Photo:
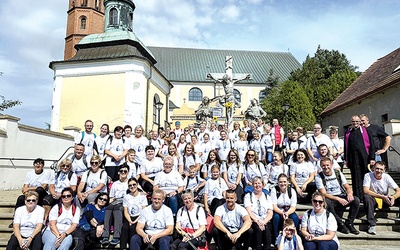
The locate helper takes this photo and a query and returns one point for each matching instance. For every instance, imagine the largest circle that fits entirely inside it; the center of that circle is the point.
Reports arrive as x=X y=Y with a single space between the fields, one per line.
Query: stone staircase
x=388 y=225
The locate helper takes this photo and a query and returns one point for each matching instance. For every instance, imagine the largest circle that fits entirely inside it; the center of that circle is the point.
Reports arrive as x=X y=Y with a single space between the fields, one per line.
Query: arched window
x=113 y=18
x=83 y=22
x=195 y=94
x=238 y=95
x=84 y=3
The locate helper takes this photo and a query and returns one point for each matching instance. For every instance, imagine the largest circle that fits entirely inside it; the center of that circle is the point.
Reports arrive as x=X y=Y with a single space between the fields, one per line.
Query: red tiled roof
x=379 y=76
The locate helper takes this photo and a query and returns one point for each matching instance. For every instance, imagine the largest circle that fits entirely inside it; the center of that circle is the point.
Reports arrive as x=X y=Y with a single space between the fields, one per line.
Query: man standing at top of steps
x=338 y=194
x=376 y=192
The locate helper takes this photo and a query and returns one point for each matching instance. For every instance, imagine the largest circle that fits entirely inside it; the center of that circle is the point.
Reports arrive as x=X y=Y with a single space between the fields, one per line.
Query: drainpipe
x=147 y=100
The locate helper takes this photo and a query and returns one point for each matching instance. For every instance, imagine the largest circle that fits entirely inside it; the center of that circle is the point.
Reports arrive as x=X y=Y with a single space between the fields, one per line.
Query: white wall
x=23 y=144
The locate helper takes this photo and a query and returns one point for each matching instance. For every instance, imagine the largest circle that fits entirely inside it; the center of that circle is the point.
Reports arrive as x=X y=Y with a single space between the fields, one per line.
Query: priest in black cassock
x=358 y=152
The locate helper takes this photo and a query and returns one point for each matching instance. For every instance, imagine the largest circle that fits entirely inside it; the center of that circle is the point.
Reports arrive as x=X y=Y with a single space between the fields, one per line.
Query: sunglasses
x=123 y=171
x=94 y=162
x=318 y=201
x=31 y=200
x=102 y=199
x=65 y=166
x=132 y=185
x=251 y=155
x=66 y=196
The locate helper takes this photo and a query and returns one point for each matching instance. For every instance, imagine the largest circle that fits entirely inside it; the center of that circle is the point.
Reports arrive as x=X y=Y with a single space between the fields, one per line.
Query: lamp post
x=285 y=108
x=159 y=106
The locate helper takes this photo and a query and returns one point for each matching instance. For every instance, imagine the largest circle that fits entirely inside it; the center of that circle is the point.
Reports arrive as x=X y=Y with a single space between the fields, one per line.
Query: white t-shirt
x=93 y=180
x=118 y=189
x=37 y=180
x=214 y=137
x=134 y=204
x=379 y=186
x=256 y=146
x=206 y=168
x=157 y=144
x=259 y=207
x=156 y=221
x=62 y=181
x=139 y=145
x=151 y=168
x=284 y=200
x=205 y=148
x=133 y=169
x=266 y=141
x=66 y=219
x=242 y=147
x=233 y=172
x=234 y=135
x=116 y=147
x=28 y=221
x=294 y=145
x=253 y=170
x=302 y=171
x=192 y=183
x=101 y=144
x=319 y=224
x=182 y=217
x=168 y=182
x=288 y=244
x=274 y=171
x=188 y=161
x=181 y=147
x=322 y=139
x=224 y=146
x=215 y=188
x=87 y=140
x=332 y=185
x=232 y=220
x=163 y=150
x=79 y=166
x=337 y=144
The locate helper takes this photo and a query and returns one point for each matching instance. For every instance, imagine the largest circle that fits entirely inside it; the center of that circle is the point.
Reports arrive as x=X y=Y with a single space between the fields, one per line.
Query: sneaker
x=114 y=242
x=11 y=225
x=372 y=230
x=104 y=242
x=343 y=229
x=351 y=228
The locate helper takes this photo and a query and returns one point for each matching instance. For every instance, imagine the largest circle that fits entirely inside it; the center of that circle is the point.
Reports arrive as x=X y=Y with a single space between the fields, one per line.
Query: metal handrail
x=11 y=159
x=391 y=148
x=55 y=163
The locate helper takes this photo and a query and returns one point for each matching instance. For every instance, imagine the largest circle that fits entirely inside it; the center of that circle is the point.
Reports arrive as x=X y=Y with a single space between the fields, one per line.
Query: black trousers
x=260 y=239
x=333 y=205
x=127 y=232
x=223 y=242
x=36 y=243
x=21 y=199
x=83 y=239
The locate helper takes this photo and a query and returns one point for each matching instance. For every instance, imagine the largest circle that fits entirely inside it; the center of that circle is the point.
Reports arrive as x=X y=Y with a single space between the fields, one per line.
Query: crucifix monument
x=228 y=80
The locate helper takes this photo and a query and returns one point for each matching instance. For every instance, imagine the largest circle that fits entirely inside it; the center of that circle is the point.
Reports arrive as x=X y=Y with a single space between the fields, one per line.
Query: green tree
x=323 y=77
x=271 y=82
x=291 y=93
x=6 y=104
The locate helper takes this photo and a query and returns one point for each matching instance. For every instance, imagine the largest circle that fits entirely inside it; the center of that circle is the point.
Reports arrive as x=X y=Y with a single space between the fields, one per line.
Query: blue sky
x=363 y=30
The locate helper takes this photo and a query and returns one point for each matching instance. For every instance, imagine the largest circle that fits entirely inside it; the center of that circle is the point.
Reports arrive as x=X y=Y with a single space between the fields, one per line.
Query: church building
x=110 y=76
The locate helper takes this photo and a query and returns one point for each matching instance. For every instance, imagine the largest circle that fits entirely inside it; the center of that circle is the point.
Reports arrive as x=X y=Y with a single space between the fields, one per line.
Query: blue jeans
x=277 y=221
x=320 y=245
x=49 y=239
x=269 y=157
x=172 y=202
x=161 y=243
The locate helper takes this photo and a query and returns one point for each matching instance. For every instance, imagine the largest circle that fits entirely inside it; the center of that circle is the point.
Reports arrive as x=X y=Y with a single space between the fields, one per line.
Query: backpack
x=197 y=211
x=184 y=159
x=69 y=175
x=83 y=159
x=278 y=192
x=110 y=138
x=60 y=209
x=83 y=136
x=101 y=174
x=188 y=179
x=338 y=178
x=251 y=196
x=309 y=214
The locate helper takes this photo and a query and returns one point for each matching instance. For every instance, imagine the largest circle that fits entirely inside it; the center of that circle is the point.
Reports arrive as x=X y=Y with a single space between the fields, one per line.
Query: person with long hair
x=100 y=141
x=302 y=174
x=214 y=191
x=275 y=168
x=212 y=159
x=242 y=146
x=64 y=218
x=190 y=158
x=284 y=201
x=253 y=168
x=173 y=152
x=318 y=226
x=116 y=149
x=91 y=224
x=259 y=207
x=133 y=204
x=234 y=174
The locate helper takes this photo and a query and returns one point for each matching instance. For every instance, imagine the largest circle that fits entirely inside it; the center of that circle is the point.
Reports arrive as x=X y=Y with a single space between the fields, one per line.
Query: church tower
x=85 y=17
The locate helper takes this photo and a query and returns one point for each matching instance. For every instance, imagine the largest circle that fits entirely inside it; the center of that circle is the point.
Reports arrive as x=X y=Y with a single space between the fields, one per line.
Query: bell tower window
x=113 y=19
x=83 y=23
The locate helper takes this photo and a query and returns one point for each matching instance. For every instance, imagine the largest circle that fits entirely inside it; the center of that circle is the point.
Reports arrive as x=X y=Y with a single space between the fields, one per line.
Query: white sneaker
x=372 y=230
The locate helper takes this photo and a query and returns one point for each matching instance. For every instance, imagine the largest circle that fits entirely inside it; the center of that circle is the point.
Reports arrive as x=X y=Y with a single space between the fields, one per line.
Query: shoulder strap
x=322 y=178
x=278 y=192
x=59 y=209
x=82 y=136
x=315 y=141
x=190 y=220
x=70 y=175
